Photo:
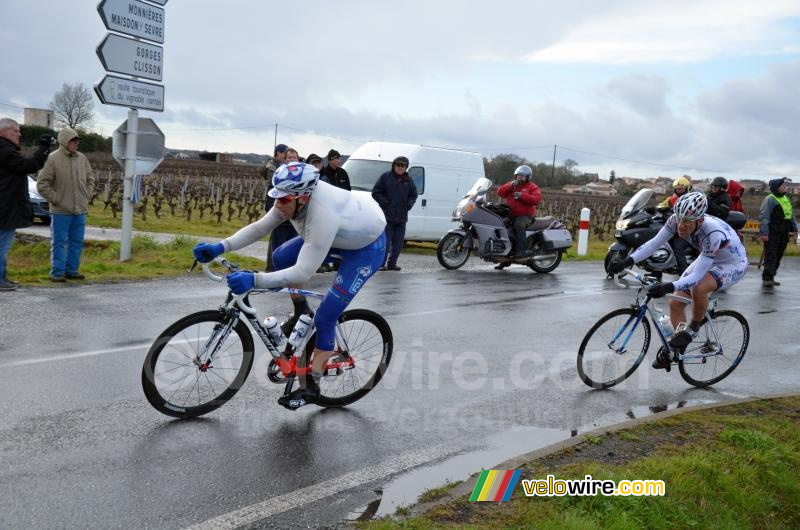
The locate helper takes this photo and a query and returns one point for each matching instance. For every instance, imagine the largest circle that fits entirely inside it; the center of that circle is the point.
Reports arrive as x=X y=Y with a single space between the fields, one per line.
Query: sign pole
x=127 y=184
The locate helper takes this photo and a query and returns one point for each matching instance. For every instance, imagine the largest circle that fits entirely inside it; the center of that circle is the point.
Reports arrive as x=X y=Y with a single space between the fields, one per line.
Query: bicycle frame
x=644 y=308
x=235 y=305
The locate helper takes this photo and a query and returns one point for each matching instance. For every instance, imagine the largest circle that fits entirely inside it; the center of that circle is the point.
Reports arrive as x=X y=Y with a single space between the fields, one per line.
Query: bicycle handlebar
x=239 y=298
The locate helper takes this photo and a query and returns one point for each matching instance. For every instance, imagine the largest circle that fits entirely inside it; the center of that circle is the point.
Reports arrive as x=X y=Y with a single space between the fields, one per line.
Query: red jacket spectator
x=529 y=197
x=735 y=190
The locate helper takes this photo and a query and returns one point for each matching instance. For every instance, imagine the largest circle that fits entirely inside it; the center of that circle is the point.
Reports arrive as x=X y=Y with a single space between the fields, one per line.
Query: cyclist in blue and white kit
x=722 y=263
x=333 y=225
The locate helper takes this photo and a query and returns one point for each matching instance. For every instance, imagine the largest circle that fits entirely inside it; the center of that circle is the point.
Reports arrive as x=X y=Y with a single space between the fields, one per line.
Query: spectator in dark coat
x=334 y=173
x=777 y=226
x=284 y=231
x=719 y=202
x=396 y=194
x=15 y=207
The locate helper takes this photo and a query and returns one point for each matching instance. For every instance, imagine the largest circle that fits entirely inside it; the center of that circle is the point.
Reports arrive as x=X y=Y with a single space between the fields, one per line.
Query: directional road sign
x=149 y=146
x=114 y=90
x=134 y=18
x=131 y=57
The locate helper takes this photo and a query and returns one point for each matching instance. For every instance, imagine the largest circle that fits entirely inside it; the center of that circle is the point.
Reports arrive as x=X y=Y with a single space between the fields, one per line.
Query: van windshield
x=364 y=173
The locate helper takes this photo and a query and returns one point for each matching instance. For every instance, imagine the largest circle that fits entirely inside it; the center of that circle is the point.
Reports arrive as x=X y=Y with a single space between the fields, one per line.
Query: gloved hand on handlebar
x=241 y=282
x=617 y=266
x=660 y=289
x=205 y=252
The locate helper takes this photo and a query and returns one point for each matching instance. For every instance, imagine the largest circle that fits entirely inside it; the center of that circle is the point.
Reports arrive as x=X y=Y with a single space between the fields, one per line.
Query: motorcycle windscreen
x=481 y=186
x=636 y=203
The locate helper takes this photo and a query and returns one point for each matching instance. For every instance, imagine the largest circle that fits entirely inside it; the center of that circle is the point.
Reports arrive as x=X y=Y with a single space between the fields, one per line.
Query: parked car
x=41 y=208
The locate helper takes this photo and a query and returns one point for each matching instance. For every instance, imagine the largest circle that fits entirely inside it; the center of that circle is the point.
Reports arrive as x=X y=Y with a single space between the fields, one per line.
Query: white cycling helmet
x=691 y=206
x=294 y=178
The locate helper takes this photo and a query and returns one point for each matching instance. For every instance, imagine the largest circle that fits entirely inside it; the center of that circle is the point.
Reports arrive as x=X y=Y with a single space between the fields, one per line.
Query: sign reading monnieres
x=133 y=18
x=114 y=90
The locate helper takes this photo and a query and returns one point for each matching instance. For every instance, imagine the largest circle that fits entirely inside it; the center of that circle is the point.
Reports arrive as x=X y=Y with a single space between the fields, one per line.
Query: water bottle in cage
x=300 y=330
x=665 y=324
x=274 y=330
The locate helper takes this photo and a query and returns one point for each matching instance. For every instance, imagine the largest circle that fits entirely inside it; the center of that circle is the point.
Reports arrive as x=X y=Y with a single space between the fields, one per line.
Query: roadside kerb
x=465 y=488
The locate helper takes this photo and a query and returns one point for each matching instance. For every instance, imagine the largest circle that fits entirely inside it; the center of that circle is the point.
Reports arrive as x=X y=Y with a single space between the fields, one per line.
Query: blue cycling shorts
x=355 y=268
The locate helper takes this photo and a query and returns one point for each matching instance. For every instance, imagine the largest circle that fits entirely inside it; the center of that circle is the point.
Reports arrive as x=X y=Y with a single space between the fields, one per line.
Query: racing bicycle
x=616 y=345
x=198 y=363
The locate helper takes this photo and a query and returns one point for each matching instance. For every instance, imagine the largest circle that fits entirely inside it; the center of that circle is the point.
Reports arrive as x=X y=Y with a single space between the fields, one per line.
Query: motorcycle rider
x=680 y=186
x=719 y=202
x=722 y=262
x=333 y=225
x=522 y=196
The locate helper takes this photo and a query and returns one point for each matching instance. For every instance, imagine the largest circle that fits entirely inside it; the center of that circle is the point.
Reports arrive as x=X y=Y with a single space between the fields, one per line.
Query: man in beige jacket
x=67 y=182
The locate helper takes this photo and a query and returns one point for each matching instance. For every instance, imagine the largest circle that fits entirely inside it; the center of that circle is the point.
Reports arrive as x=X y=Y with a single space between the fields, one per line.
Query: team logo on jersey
x=339 y=279
x=365 y=271
x=356 y=285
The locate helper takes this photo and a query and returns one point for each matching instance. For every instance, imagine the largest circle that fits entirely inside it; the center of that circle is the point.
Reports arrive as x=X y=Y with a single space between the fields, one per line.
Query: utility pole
x=275 y=141
x=553 y=170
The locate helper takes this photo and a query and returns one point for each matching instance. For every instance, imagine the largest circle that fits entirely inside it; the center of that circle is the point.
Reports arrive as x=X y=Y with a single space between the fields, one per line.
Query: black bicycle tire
x=388 y=344
x=630 y=311
x=151 y=392
x=745 y=343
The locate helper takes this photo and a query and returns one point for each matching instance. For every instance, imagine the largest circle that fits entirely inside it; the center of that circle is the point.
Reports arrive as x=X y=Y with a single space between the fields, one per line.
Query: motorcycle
x=486 y=230
x=637 y=224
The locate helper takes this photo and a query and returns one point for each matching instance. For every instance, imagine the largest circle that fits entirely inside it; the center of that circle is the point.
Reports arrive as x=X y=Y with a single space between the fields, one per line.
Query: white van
x=442 y=177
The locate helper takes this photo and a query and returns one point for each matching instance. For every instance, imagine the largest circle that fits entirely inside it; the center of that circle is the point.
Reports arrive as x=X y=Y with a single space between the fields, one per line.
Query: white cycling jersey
x=333 y=218
x=721 y=252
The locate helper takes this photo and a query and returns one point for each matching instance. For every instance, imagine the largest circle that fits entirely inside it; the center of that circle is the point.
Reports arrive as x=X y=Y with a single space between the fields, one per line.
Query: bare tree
x=73 y=106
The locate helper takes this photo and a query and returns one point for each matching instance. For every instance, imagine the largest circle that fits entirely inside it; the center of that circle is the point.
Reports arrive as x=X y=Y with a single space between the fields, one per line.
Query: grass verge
x=29 y=259
x=728 y=467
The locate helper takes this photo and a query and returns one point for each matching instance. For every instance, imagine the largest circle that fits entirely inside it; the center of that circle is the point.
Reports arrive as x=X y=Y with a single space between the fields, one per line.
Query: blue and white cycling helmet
x=691 y=206
x=294 y=178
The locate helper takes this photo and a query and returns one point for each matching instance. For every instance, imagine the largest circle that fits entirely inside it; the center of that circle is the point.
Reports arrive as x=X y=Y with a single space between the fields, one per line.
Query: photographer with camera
x=522 y=196
x=15 y=207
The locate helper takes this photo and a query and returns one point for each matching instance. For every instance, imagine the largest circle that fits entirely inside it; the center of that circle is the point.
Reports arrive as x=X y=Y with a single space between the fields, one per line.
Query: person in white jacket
x=333 y=225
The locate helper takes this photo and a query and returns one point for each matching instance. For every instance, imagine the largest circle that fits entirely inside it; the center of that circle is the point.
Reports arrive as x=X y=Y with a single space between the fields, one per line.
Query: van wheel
x=452 y=251
x=545 y=261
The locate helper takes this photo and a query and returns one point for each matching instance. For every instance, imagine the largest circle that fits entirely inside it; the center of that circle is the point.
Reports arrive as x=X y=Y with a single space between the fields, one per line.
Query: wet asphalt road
x=483 y=369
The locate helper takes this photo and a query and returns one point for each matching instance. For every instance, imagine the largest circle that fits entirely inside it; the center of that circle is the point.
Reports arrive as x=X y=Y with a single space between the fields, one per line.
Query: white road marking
x=68 y=356
x=305 y=496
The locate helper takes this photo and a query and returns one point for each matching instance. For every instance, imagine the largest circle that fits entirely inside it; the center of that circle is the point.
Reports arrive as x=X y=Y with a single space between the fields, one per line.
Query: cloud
x=677 y=31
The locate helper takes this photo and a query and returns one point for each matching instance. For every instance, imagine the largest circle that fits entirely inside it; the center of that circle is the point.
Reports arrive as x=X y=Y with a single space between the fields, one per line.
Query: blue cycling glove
x=205 y=252
x=241 y=282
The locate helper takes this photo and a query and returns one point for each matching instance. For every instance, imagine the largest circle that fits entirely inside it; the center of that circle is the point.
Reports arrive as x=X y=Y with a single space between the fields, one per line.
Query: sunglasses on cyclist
x=286 y=199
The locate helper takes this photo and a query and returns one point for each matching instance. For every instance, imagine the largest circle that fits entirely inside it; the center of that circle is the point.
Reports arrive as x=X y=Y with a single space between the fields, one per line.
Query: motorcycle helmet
x=525 y=171
x=720 y=182
x=682 y=182
x=294 y=178
x=691 y=206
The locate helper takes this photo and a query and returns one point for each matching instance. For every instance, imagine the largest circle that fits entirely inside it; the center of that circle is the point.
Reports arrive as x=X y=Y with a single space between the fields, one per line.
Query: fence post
x=583 y=233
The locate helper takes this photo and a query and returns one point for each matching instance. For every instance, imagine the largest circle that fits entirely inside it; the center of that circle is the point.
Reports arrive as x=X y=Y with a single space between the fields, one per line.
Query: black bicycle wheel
x=717 y=350
x=366 y=337
x=613 y=348
x=178 y=383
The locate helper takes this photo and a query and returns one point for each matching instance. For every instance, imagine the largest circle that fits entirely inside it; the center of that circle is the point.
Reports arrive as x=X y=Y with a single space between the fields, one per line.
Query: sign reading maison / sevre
x=134 y=18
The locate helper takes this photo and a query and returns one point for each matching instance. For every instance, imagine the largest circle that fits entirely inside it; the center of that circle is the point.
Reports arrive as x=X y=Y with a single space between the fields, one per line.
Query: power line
x=11 y=105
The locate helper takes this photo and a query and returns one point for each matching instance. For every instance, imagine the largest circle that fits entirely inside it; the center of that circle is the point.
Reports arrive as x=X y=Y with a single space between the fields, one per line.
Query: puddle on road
x=406 y=489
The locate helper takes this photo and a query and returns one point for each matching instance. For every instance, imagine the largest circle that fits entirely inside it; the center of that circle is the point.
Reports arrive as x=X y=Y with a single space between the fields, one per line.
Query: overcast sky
x=656 y=88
